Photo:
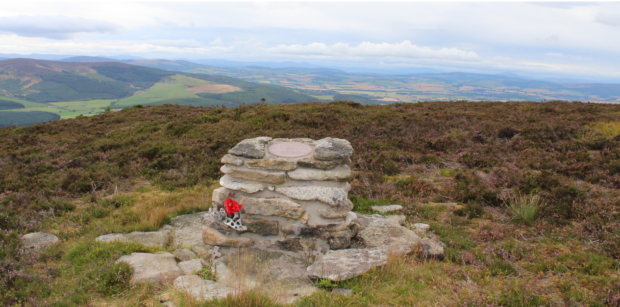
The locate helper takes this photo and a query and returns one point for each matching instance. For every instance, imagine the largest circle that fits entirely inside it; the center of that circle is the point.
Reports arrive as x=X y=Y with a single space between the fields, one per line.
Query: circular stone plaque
x=290 y=149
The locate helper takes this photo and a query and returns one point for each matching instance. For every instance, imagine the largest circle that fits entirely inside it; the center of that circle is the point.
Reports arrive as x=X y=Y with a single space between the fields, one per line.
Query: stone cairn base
x=292 y=191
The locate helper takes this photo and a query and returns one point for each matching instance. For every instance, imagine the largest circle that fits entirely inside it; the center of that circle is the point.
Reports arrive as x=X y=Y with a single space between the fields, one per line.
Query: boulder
x=421 y=229
x=155 y=268
x=332 y=149
x=401 y=219
x=431 y=248
x=39 y=240
x=240 y=185
x=381 y=232
x=330 y=195
x=184 y=254
x=387 y=208
x=275 y=177
x=336 y=174
x=272 y=164
x=190 y=267
x=251 y=148
x=345 y=264
x=233 y=160
x=202 y=289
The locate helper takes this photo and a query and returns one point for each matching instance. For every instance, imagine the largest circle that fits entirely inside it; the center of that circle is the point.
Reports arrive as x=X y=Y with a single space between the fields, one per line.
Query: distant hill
x=87 y=59
x=87 y=86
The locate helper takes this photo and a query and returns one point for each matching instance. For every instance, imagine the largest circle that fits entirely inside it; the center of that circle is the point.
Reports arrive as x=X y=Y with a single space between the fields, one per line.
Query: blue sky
x=561 y=39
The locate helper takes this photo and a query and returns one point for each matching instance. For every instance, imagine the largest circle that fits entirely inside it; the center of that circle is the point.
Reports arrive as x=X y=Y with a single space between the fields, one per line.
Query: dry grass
x=213 y=89
x=606 y=129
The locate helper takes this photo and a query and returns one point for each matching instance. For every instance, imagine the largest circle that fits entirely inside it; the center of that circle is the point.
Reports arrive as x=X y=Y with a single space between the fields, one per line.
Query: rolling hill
x=88 y=86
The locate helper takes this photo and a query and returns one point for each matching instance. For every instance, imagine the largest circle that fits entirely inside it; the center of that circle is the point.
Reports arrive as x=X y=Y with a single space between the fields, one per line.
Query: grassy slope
x=170 y=88
x=425 y=156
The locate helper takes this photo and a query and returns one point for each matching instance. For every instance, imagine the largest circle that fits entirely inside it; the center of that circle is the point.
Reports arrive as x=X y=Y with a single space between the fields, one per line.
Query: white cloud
x=554 y=54
x=54 y=26
x=612 y=20
x=187 y=43
x=554 y=38
x=404 y=49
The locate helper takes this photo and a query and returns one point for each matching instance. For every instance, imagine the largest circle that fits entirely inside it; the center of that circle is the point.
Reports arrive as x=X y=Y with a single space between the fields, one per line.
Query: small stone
x=184 y=254
x=190 y=267
x=262 y=227
x=329 y=195
x=157 y=268
x=275 y=177
x=234 y=160
x=401 y=219
x=270 y=206
x=272 y=164
x=304 y=219
x=336 y=174
x=342 y=291
x=39 y=240
x=387 y=208
x=381 y=232
x=240 y=185
x=421 y=229
x=432 y=249
x=251 y=148
x=202 y=289
x=332 y=149
x=339 y=242
x=345 y=264
x=213 y=237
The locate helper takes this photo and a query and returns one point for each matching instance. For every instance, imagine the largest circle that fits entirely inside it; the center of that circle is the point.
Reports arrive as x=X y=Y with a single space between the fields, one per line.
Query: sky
x=558 y=39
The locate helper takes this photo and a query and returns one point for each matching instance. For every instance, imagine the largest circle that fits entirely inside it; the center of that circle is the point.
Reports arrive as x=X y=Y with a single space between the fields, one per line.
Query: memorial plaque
x=290 y=149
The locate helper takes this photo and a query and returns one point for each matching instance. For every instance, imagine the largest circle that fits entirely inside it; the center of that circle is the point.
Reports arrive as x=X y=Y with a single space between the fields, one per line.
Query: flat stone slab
x=190 y=267
x=39 y=240
x=187 y=230
x=240 y=185
x=330 y=195
x=184 y=254
x=377 y=231
x=156 y=268
x=202 y=289
x=387 y=208
x=271 y=206
x=272 y=164
x=345 y=264
x=275 y=177
x=151 y=238
x=332 y=149
x=336 y=174
x=290 y=149
x=251 y=148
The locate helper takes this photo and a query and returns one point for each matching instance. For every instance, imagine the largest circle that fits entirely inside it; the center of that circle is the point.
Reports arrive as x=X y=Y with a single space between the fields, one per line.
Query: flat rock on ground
x=187 y=230
x=344 y=264
x=279 y=276
x=155 y=268
x=151 y=238
x=387 y=208
x=39 y=240
x=191 y=267
x=381 y=232
x=202 y=289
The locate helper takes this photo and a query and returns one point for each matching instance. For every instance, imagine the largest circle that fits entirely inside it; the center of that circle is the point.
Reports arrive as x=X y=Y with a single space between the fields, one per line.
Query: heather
x=525 y=195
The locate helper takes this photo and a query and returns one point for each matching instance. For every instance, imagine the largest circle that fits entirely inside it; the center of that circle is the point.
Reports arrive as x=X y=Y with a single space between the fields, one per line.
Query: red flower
x=232 y=206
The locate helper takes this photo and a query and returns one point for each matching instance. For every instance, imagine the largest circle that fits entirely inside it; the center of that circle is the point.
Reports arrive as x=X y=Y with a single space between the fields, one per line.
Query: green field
x=170 y=88
x=67 y=109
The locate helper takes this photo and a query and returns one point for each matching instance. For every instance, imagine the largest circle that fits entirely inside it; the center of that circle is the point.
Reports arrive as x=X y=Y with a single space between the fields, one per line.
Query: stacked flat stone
x=289 y=189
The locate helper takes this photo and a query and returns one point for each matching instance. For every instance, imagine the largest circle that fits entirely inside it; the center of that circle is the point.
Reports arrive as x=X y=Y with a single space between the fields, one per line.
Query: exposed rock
x=340 y=242
x=234 y=160
x=40 y=240
x=325 y=165
x=332 y=149
x=275 y=177
x=202 y=289
x=214 y=237
x=432 y=249
x=271 y=206
x=304 y=219
x=387 y=208
x=346 y=263
x=329 y=195
x=201 y=249
x=156 y=268
x=151 y=238
x=272 y=164
x=187 y=230
x=336 y=174
x=381 y=232
x=280 y=277
x=262 y=227
x=190 y=267
x=342 y=291
x=251 y=148
x=336 y=213
x=323 y=231
x=290 y=244
x=401 y=219
x=184 y=254
x=421 y=229
x=240 y=185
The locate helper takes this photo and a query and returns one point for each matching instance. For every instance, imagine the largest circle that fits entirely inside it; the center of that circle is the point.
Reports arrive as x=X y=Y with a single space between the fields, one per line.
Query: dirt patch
x=213 y=89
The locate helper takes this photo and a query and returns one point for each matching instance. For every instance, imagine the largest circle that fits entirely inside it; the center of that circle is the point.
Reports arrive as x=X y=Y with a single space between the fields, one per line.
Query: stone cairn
x=293 y=193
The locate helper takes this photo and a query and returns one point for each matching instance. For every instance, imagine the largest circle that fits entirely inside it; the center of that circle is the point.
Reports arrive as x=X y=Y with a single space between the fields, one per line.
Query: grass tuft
x=523 y=208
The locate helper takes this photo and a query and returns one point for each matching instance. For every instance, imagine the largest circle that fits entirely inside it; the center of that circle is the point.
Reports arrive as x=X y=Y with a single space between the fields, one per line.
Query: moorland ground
x=525 y=196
